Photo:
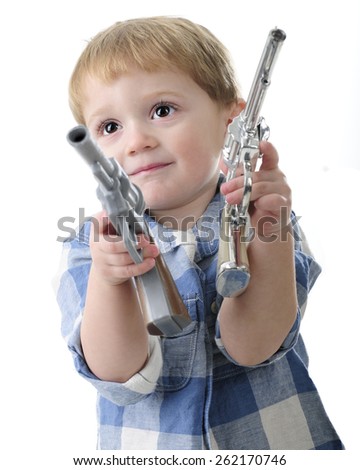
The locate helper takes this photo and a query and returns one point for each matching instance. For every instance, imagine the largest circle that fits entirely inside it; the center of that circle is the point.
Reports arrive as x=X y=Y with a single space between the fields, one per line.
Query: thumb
x=101 y=224
x=270 y=157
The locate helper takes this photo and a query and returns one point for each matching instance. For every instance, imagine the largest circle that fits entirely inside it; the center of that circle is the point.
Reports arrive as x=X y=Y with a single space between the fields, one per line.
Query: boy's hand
x=111 y=260
x=271 y=195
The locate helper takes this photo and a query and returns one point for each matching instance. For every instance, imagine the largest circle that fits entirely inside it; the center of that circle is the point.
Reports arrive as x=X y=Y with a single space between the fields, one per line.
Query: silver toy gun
x=164 y=311
x=241 y=147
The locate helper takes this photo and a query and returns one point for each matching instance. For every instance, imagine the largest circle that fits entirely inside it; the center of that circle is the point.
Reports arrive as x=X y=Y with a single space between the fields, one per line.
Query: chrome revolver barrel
x=240 y=152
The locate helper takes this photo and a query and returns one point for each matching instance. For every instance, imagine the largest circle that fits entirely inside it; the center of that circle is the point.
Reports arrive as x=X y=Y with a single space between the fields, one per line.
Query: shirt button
x=214 y=308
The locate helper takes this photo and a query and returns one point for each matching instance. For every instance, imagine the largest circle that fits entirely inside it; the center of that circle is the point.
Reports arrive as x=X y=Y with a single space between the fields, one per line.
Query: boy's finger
x=232 y=185
x=270 y=157
x=101 y=224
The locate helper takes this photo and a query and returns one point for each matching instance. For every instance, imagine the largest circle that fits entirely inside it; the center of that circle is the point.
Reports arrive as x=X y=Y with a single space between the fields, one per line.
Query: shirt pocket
x=179 y=352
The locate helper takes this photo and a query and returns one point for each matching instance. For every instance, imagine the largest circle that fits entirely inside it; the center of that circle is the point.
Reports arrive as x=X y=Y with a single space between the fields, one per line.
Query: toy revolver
x=164 y=311
x=242 y=148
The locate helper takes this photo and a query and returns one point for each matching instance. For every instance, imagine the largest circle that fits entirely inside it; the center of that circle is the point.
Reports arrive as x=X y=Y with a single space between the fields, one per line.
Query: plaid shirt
x=191 y=394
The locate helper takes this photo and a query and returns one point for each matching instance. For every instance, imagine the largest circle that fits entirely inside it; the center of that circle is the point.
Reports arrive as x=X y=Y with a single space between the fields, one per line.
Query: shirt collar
x=205 y=233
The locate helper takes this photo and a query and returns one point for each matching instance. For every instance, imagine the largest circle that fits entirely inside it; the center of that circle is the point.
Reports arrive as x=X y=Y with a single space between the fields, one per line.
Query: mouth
x=152 y=168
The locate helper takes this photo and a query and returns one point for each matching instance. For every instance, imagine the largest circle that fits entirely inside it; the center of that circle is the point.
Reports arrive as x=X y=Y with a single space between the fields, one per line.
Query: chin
x=156 y=198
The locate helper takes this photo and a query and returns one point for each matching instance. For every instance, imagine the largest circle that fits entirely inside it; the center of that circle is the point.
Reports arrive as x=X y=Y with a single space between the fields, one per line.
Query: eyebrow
x=97 y=114
x=160 y=92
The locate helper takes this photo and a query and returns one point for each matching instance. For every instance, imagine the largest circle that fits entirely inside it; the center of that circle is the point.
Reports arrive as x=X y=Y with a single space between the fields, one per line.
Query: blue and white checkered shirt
x=191 y=394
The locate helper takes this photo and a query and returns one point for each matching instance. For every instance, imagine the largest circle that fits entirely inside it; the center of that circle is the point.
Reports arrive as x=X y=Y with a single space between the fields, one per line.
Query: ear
x=235 y=109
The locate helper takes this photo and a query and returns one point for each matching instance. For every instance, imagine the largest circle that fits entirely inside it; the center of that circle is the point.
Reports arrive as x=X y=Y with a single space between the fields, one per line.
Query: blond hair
x=151 y=44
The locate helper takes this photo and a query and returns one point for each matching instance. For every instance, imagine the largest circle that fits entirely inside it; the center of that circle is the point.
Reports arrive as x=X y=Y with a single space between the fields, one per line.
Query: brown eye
x=163 y=110
x=110 y=127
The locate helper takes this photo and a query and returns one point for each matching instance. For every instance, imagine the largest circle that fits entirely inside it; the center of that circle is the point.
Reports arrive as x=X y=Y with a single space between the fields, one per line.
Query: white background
x=312 y=108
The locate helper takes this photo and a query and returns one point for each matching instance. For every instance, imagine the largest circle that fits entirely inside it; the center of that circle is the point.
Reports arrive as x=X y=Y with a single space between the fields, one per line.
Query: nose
x=139 y=138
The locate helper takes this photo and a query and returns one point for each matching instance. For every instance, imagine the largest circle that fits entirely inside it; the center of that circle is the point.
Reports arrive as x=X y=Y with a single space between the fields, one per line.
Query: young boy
x=158 y=95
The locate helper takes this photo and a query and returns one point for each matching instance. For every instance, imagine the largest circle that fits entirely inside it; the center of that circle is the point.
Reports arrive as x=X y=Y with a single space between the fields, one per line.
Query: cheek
x=197 y=145
x=212 y=136
x=205 y=144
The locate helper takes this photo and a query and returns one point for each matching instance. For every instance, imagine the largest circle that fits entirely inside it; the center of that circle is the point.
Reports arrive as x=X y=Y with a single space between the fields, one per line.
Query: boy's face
x=165 y=132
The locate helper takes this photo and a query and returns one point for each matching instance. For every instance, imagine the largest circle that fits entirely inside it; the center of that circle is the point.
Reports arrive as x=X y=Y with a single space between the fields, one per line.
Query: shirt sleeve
x=70 y=286
x=307 y=271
